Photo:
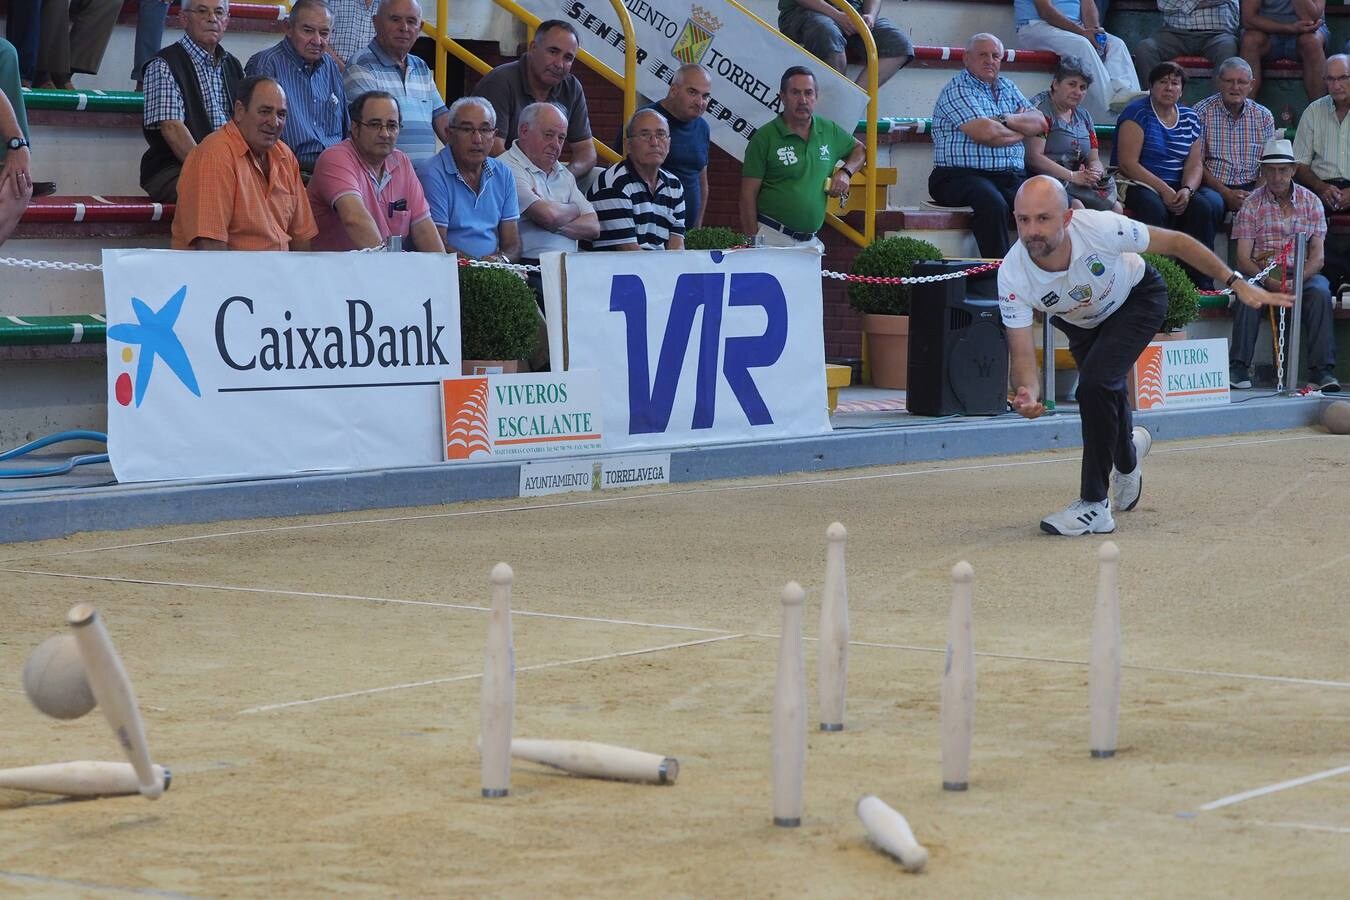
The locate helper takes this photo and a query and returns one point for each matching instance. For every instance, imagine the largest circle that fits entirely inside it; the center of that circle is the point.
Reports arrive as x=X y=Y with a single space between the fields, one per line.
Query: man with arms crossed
x=1083 y=267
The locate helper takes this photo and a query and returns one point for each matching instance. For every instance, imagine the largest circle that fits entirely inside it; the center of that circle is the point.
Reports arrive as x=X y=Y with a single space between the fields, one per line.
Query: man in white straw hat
x=1270 y=217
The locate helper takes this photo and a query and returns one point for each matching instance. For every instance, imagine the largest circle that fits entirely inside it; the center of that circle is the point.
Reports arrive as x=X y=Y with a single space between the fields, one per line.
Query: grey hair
x=530 y=114
x=1072 y=67
x=687 y=69
x=1233 y=62
x=632 y=120
x=302 y=5
x=379 y=10
x=984 y=36
x=1343 y=58
x=480 y=102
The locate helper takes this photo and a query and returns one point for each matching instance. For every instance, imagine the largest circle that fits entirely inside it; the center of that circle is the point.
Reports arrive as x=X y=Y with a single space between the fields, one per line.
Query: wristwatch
x=1002 y=119
x=15 y=143
x=1232 y=278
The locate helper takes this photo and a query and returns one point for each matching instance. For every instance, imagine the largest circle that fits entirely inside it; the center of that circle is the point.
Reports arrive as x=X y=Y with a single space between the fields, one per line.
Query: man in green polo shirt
x=788 y=164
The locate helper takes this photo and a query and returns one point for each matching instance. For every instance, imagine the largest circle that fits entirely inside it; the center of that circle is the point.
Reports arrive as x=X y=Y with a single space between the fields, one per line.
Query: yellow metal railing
x=869 y=231
x=627 y=82
x=872 y=183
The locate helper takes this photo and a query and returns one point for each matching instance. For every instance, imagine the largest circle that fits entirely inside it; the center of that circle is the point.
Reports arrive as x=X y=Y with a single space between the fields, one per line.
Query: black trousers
x=1104 y=356
x=990 y=194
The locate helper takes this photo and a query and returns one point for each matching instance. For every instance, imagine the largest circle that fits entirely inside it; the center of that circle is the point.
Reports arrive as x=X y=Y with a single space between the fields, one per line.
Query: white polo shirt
x=1105 y=266
x=534 y=184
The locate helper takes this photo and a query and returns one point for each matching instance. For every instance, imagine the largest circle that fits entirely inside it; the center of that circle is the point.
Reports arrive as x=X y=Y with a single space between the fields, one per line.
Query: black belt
x=779 y=226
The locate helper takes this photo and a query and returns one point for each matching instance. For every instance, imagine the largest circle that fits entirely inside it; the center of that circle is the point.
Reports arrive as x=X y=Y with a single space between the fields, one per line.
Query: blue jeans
x=24 y=30
x=149 y=33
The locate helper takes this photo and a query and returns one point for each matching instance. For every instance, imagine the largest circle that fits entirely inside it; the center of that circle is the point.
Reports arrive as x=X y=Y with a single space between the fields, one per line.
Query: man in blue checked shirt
x=308 y=74
x=979 y=122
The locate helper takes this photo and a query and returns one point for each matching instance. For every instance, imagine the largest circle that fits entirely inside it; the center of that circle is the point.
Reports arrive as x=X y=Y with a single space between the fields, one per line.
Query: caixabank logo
x=151 y=337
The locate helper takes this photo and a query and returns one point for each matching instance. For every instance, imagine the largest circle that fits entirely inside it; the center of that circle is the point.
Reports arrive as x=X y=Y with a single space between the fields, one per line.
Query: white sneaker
x=1127 y=486
x=1081 y=517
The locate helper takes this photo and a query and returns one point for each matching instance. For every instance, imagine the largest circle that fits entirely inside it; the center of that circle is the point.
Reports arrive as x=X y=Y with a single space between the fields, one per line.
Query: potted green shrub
x=1183 y=297
x=498 y=319
x=713 y=237
x=885 y=307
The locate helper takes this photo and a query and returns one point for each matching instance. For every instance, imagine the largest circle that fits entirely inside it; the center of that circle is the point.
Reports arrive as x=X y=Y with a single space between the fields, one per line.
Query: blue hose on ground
x=60 y=468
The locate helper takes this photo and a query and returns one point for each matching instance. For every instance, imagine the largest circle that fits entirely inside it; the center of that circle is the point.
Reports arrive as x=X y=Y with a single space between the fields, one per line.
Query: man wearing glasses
x=640 y=205
x=387 y=64
x=365 y=190
x=473 y=196
x=189 y=93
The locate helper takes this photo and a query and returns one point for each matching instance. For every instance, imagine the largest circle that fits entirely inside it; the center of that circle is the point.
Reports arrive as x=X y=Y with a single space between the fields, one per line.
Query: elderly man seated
x=1190 y=27
x=979 y=122
x=554 y=212
x=640 y=205
x=472 y=196
x=365 y=190
x=240 y=188
x=300 y=62
x=388 y=64
x=1234 y=129
x=1268 y=220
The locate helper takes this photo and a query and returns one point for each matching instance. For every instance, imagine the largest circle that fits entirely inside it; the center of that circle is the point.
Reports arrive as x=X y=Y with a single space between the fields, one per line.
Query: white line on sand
x=88 y=885
x=1303 y=826
x=551 y=665
x=655 y=495
x=357 y=597
x=1273 y=788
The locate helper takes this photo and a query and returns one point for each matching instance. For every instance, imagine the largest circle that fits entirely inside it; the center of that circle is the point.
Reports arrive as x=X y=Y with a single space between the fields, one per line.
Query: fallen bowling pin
x=595 y=760
x=891 y=832
x=83 y=778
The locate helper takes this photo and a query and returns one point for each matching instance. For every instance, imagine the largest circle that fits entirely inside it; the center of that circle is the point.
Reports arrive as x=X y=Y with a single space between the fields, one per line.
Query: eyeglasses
x=203 y=12
x=1336 y=79
x=486 y=131
x=377 y=125
x=651 y=135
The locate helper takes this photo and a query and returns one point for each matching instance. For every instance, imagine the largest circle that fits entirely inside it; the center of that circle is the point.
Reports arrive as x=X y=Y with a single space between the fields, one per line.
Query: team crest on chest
x=787 y=156
x=1095 y=265
x=1081 y=293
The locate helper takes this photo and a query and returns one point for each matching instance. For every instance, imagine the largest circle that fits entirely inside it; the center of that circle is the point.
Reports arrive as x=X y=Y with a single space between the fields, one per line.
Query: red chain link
x=882 y=279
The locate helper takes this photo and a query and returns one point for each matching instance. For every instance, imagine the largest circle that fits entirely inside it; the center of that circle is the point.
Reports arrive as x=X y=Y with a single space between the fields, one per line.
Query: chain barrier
x=825 y=273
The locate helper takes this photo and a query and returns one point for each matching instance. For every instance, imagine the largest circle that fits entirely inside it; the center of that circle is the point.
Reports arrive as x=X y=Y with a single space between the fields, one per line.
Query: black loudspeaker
x=958 y=353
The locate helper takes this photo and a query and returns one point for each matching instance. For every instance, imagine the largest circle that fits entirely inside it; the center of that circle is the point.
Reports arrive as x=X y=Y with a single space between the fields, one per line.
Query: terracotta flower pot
x=888 y=350
x=491 y=366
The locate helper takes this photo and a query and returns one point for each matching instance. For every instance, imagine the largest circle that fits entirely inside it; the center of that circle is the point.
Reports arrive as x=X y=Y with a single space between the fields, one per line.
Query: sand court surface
x=314 y=683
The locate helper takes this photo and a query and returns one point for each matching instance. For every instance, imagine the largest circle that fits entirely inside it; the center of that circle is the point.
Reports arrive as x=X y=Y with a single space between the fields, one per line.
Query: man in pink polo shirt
x=365 y=191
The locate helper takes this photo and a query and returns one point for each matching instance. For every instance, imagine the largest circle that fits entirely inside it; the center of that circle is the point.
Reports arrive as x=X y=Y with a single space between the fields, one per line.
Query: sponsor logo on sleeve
x=1095 y=265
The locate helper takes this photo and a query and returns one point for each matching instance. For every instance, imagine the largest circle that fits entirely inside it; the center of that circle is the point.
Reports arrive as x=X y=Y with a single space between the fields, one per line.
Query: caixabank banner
x=245 y=364
x=696 y=347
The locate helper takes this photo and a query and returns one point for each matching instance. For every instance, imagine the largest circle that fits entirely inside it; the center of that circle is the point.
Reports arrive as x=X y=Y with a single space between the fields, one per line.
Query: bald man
x=1083 y=268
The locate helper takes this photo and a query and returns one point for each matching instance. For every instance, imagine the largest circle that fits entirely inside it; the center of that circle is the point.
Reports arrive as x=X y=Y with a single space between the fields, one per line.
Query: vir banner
x=745 y=56
x=246 y=364
x=696 y=347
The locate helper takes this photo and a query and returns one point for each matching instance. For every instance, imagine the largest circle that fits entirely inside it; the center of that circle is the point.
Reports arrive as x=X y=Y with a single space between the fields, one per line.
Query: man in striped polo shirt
x=308 y=74
x=639 y=204
x=389 y=65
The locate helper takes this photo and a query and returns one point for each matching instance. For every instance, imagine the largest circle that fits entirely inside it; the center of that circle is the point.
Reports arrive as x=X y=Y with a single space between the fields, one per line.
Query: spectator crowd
x=329 y=139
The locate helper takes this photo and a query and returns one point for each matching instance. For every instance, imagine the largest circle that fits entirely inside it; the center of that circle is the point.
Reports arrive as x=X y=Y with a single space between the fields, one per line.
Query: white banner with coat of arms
x=745 y=58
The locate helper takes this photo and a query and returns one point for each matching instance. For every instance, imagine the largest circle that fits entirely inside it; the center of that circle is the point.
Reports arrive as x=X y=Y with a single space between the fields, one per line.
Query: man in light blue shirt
x=473 y=196
x=300 y=63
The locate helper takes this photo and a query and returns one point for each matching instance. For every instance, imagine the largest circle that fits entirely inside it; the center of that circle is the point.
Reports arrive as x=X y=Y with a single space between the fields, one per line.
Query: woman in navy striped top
x=1158 y=148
